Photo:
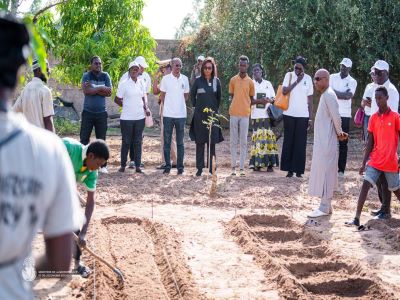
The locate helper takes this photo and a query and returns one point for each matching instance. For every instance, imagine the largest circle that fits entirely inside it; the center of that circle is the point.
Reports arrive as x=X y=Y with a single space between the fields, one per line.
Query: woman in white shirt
x=131 y=97
x=297 y=118
x=264 y=150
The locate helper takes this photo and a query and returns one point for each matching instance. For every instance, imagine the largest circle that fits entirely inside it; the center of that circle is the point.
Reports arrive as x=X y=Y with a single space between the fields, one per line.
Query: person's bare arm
x=162 y=96
x=344 y=95
x=48 y=123
x=368 y=149
x=118 y=101
x=186 y=95
x=98 y=90
x=287 y=89
x=310 y=105
x=58 y=254
x=88 y=214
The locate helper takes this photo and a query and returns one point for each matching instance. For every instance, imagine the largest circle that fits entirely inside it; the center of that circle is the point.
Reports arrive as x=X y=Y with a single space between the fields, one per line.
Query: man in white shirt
x=37 y=184
x=344 y=87
x=36 y=101
x=174 y=94
x=145 y=77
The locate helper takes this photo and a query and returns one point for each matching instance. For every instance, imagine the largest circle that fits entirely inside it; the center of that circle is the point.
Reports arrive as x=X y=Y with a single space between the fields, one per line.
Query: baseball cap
x=346 y=62
x=133 y=64
x=381 y=65
x=201 y=57
x=141 y=61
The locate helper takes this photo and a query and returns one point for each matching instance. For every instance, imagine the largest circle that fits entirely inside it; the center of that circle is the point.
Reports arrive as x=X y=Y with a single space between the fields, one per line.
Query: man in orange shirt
x=381 y=153
x=241 y=92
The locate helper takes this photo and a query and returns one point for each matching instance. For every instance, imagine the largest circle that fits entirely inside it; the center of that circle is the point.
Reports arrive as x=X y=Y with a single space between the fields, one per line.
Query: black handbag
x=275 y=115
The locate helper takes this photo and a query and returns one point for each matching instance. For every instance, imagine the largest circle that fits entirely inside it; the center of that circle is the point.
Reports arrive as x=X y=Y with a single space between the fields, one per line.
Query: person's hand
x=362 y=170
x=82 y=240
x=300 y=77
x=86 y=83
x=363 y=103
x=368 y=102
x=343 y=136
x=148 y=113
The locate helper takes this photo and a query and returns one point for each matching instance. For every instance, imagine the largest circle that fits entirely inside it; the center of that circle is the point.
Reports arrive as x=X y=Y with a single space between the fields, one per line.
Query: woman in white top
x=297 y=118
x=131 y=97
x=264 y=150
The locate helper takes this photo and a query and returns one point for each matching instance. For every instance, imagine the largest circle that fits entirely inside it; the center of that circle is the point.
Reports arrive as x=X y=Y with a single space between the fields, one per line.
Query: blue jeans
x=169 y=124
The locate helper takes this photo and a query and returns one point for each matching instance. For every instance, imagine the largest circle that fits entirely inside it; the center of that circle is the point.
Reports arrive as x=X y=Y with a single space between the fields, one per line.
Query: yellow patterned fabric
x=264 y=149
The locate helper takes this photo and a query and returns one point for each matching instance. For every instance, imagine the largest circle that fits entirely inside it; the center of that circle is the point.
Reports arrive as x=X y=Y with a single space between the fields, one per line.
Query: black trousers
x=132 y=132
x=293 y=158
x=96 y=120
x=90 y=120
x=200 y=155
x=385 y=196
x=343 y=146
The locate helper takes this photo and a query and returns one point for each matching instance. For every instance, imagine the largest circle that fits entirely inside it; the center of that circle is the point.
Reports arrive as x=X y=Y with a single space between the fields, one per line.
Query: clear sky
x=163 y=17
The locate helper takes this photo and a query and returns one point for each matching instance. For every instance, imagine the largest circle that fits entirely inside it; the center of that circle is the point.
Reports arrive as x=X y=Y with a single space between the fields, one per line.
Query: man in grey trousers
x=241 y=91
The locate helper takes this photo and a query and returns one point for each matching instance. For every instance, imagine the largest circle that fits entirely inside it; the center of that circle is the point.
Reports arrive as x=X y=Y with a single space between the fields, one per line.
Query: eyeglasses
x=208 y=68
x=318 y=78
x=178 y=66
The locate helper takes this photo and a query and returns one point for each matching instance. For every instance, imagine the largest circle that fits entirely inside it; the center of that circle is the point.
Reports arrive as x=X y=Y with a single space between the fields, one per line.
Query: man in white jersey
x=37 y=185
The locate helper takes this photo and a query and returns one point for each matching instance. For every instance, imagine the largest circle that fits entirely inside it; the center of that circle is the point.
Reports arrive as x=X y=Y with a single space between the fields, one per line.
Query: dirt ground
x=171 y=240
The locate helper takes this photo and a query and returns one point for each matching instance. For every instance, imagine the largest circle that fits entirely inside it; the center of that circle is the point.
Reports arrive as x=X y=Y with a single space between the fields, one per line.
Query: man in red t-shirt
x=381 y=152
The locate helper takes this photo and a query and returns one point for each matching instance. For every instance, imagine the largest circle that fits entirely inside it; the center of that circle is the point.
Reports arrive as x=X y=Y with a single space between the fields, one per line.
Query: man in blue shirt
x=96 y=86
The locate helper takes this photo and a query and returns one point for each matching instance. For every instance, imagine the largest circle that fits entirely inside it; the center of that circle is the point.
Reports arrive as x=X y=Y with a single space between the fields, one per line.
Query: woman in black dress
x=205 y=93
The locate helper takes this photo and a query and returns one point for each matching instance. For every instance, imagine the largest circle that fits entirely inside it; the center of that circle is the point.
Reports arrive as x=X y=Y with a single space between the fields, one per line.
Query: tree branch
x=39 y=12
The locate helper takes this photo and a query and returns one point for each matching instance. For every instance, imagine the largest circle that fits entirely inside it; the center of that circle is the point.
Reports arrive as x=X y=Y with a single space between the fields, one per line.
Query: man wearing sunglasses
x=344 y=87
x=327 y=131
x=174 y=89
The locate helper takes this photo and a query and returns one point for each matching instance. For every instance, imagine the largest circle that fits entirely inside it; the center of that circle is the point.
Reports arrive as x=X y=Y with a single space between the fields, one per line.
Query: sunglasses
x=208 y=68
x=178 y=66
x=318 y=78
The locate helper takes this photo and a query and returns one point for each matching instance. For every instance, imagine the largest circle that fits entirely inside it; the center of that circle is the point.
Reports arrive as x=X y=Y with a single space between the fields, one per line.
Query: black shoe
x=289 y=174
x=166 y=171
x=198 y=173
x=298 y=175
x=139 y=170
x=270 y=169
x=382 y=216
x=180 y=172
x=354 y=222
x=161 y=167
x=121 y=169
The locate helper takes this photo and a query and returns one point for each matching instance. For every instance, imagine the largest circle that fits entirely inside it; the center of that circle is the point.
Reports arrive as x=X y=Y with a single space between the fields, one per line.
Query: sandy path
x=219 y=267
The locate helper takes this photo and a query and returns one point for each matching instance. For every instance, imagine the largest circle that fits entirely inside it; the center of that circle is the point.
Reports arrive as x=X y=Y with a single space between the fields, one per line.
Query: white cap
x=133 y=64
x=346 y=62
x=201 y=57
x=372 y=70
x=141 y=61
x=381 y=65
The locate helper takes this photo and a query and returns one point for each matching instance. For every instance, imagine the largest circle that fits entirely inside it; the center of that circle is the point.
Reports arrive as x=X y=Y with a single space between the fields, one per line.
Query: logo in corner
x=29 y=271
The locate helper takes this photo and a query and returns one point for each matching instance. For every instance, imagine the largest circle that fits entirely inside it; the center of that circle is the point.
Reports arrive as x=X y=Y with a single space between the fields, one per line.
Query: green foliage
x=110 y=29
x=273 y=32
x=66 y=127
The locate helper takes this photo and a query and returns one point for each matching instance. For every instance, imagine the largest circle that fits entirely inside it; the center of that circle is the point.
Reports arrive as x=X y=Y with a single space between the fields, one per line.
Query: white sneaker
x=103 y=170
x=316 y=213
x=341 y=175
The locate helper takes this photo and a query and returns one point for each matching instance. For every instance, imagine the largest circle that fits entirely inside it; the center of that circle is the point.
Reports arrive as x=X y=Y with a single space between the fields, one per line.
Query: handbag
x=359 y=118
x=281 y=100
x=275 y=115
x=148 y=121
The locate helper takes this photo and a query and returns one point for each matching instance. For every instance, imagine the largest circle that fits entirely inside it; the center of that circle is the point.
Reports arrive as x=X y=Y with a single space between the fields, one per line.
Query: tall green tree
x=110 y=29
x=273 y=32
